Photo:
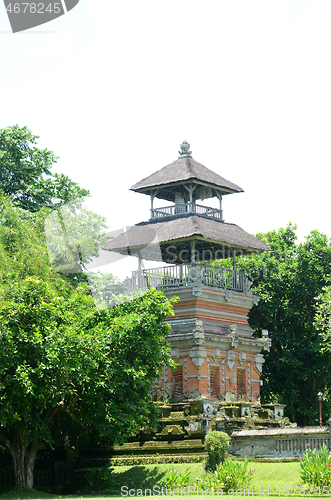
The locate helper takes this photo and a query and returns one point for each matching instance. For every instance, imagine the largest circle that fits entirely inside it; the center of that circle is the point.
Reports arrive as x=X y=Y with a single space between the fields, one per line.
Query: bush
x=228 y=475
x=233 y=475
x=216 y=445
x=174 y=478
x=316 y=467
x=100 y=479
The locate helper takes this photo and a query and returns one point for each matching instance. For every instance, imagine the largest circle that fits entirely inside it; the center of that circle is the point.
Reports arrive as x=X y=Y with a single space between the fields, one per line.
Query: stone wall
x=278 y=442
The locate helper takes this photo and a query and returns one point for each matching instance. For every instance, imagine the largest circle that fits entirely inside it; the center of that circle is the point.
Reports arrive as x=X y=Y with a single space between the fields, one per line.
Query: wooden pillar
x=152 y=199
x=140 y=266
x=181 y=273
x=193 y=252
x=234 y=274
x=190 y=190
x=219 y=196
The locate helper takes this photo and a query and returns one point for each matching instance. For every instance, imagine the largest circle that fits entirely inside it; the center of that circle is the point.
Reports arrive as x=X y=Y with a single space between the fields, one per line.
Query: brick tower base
x=213 y=345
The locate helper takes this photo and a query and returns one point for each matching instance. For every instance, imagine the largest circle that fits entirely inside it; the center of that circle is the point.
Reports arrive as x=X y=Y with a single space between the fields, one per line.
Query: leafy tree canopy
x=62 y=362
x=51 y=244
x=25 y=172
x=60 y=356
x=323 y=317
x=23 y=251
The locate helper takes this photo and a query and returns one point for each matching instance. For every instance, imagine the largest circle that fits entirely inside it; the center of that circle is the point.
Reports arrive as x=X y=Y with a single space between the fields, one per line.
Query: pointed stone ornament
x=185 y=149
x=198 y=355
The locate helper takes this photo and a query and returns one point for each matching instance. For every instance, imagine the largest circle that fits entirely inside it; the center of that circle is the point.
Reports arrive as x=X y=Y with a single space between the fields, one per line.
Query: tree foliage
x=287 y=280
x=23 y=251
x=60 y=355
x=25 y=172
x=63 y=364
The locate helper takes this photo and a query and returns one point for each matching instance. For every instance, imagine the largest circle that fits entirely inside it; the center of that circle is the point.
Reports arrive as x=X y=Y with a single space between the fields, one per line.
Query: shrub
x=216 y=445
x=99 y=479
x=208 y=481
x=233 y=475
x=174 y=478
x=315 y=467
x=228 y=475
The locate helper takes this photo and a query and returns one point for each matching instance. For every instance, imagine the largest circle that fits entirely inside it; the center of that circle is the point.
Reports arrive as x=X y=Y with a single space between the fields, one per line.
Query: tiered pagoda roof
x=182 y=171
x=155 y=239
x=185 y=225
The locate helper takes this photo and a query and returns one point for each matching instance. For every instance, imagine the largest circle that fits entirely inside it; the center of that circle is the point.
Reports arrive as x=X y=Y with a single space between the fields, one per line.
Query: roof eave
x=147 y=189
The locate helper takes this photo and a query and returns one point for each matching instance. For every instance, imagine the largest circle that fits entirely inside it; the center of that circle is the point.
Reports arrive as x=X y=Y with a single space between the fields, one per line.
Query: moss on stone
x=196 y=407
x=172 y=429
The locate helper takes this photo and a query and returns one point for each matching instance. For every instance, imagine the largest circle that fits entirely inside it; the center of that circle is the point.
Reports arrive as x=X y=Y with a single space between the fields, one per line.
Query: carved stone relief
x=230 y=359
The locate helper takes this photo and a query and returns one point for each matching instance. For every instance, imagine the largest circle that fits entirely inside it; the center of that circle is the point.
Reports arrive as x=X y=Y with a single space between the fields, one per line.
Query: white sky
x=114 y=86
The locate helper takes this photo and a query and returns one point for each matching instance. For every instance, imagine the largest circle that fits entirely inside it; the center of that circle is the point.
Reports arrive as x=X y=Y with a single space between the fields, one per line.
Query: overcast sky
x=114 y=86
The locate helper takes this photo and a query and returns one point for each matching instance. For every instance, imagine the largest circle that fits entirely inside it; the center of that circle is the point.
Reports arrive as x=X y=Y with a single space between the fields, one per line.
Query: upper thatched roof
x=161 y=241
x=184 y=170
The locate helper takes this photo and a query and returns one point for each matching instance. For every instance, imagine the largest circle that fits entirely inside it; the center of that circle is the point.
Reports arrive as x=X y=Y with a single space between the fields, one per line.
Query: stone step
x=191 y=445
x=158 y=459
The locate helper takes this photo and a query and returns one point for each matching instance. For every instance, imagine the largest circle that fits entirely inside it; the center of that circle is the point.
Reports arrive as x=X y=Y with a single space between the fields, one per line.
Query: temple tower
x=211 y=341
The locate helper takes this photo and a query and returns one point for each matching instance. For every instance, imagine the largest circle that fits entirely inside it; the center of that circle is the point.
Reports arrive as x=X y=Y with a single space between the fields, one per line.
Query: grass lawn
x=280 y=478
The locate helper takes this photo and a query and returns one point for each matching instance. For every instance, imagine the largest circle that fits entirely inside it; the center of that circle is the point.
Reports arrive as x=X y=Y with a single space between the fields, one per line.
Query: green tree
x=323 y=317
x=58 y=355
x=36 y=244
x=323 y=326
x=25 y=172
x=23 y=251
x=287 y=280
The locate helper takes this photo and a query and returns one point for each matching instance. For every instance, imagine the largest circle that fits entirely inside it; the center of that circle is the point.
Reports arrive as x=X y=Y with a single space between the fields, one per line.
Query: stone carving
x=234 y=336
x=228 y=295
x=197 y=289
x=245 y=411
x=279 y=412
x=267 y=340
x=195 y=276
x=185 y=149
x=247 y=286
x=185 y=376
x=231 y=359
x=174 y=353
x=193 y=427
x=255 y=300
x=198 y=355
x=216 y=354
x=198 y=333
x=208 y=408
x=259 y=360
x=229 y=396
x=242 y=357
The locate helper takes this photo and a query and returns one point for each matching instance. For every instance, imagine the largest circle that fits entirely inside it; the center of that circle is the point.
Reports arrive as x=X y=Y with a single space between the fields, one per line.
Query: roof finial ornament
x=185 y=150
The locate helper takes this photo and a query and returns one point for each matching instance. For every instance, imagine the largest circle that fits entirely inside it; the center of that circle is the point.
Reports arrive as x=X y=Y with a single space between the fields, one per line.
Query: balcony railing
x=186 y=208
x=189 y=275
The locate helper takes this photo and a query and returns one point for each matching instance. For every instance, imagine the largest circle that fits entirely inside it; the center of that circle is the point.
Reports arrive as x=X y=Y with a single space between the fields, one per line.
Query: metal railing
x=188 y=275
x=186 y=208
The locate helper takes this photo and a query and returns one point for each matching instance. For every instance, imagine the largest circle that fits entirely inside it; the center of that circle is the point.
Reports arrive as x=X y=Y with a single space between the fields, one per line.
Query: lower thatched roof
x=169 y=240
